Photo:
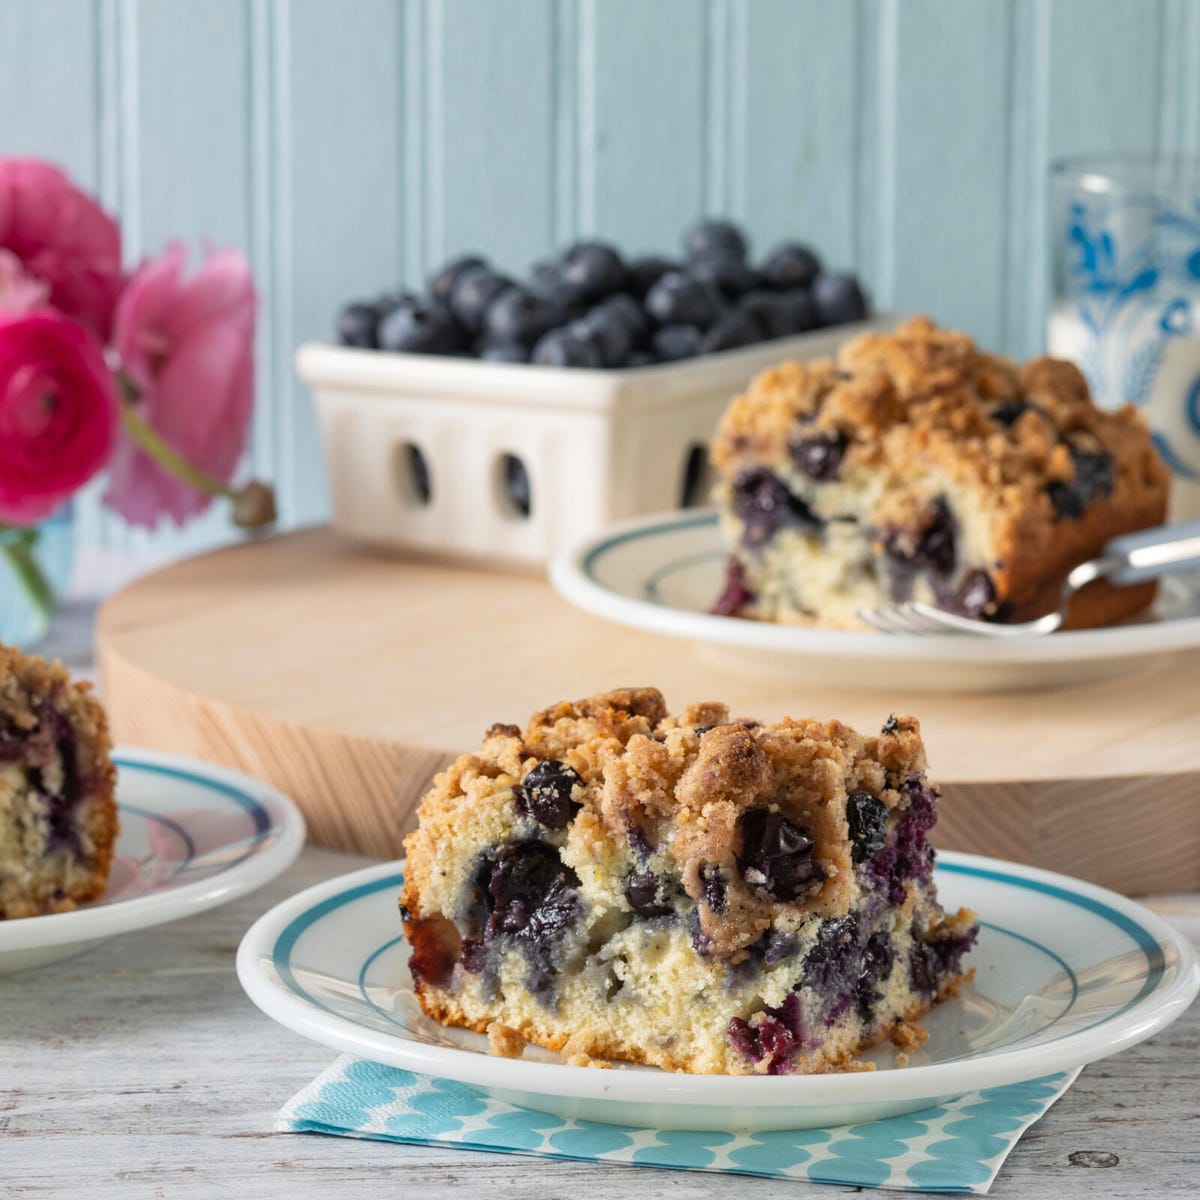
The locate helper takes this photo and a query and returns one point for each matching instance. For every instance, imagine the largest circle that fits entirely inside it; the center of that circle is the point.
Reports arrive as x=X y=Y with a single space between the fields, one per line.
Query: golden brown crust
x=922 y=402
x=28 y=684
x=643 y=768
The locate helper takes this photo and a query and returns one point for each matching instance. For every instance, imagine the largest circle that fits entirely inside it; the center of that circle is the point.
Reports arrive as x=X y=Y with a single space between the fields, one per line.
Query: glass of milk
x=1126 y=298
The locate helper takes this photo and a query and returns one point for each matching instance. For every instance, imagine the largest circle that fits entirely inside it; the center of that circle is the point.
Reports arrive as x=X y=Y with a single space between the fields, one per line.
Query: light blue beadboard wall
x=348 y=145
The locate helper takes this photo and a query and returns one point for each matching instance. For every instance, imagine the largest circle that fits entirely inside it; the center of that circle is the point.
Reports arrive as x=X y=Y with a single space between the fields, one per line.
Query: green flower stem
x=17 y=548
x=166 y=456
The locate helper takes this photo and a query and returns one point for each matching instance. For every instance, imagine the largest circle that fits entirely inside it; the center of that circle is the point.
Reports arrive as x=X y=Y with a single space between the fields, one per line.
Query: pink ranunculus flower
x=187 y=346
x=58 y=414
x=63 y=239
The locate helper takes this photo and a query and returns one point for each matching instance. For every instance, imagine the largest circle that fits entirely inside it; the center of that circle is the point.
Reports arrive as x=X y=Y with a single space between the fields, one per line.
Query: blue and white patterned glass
x=1126 y=303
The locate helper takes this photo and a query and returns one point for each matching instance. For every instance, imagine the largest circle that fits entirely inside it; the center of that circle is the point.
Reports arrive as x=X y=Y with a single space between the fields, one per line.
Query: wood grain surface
x=348 y=679
x=140 y=1071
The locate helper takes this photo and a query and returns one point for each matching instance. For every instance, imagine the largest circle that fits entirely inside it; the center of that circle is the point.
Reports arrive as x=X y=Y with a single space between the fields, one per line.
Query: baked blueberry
x=545 y=794
x=735 y=595
x=775 y=1035
x=675 y=342
x=1007 y=413
x=820 y=455
x=567 y=348
x=520 y=315
x=473 y=293
x=357 y=324
x=441 y=284
x=867 y=817
x=932 y=548
x=679 y=298
x=716 y=894
x=419 y=329
x=710 y=239
x=531 y=894
x=838 y=299
x=648 y=895
x=976 y=596
x=732 y=329
x=876 y=965
x=1093 y=477
x=641 y=358
x=791 y=265
x=593 y=270
x=777 y=855
x=764 y=504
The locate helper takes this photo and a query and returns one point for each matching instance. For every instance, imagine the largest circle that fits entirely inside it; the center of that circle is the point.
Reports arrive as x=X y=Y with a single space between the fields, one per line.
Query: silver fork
x=1130 y=558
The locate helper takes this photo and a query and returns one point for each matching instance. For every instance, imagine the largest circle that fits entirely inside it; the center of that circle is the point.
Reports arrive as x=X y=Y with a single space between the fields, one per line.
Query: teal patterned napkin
x=955 y=1147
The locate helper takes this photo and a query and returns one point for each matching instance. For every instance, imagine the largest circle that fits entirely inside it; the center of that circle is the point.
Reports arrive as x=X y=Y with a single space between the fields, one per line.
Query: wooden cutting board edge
x=1134 y=834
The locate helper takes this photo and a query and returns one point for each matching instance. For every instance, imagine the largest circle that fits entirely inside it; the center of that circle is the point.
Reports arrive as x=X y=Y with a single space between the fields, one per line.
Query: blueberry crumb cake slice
x=917 y=466
x=698 y=893
x=58 y=815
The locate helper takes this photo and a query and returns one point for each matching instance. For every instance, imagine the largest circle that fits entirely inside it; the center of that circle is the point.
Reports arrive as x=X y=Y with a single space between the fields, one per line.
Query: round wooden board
x=348 y=679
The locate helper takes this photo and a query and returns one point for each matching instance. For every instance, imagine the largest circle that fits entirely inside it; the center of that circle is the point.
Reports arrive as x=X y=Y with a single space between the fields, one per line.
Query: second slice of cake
x=694 y=892
x=917 y=466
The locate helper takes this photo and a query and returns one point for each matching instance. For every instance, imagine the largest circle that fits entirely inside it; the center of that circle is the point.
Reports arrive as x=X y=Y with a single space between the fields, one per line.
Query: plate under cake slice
x=918 y=467
x=58 y=814
x=695 y=892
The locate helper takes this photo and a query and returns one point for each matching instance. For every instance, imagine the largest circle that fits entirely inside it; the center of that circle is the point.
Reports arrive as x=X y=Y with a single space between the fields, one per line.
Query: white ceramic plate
x=1065 y=973
x=192 y=836
x=662 y=573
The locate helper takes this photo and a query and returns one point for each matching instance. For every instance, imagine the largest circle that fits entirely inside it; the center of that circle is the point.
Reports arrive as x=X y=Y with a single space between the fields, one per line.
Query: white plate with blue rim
x=193 y=836
x=1065 y=973
x=662 y=574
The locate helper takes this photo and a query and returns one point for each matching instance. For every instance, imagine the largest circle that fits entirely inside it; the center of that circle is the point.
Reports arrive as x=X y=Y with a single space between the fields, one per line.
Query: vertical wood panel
x=191 y=125
x=185 y=163
x=797 y=123
x=950 y=163
x=345 y=146
x=338 y=98
x=48 y=83
x=642 y=102
x=493 y=127
x=1097 y=71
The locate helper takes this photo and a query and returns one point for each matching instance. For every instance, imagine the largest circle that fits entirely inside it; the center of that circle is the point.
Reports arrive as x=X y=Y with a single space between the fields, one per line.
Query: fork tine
x=915 y=618
x=894 y=618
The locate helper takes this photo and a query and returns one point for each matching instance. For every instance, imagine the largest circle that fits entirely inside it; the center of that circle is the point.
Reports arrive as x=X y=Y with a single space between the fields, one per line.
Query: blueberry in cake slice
x=693 y=892
x=58 y=815
x=916 y=466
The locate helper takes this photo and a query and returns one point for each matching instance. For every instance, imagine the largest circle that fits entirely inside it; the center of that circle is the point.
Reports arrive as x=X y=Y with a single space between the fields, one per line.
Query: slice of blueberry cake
x=919 y=467
x=58 y=816
x=693 y=892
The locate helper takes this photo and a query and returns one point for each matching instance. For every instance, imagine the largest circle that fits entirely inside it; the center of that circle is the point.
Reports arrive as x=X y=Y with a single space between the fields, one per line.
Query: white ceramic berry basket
x=596 y=446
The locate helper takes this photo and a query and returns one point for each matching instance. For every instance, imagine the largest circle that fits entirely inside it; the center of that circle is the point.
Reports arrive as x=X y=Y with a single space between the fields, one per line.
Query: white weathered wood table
x=140 y=1069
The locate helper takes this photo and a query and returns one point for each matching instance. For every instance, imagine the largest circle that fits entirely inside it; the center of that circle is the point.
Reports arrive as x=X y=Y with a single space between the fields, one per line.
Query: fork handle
x=1149 y=553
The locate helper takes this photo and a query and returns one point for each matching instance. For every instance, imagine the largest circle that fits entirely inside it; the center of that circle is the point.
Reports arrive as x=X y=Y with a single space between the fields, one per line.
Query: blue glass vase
x=34 y=571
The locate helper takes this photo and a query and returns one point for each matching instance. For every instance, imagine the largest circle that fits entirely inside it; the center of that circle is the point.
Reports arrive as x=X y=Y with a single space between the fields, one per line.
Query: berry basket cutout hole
x=695 y=488
x=410 y=473
x=513 y=488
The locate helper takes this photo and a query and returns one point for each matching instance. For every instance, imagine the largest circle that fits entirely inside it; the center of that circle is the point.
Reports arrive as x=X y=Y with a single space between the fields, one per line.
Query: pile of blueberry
x=592 y=308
